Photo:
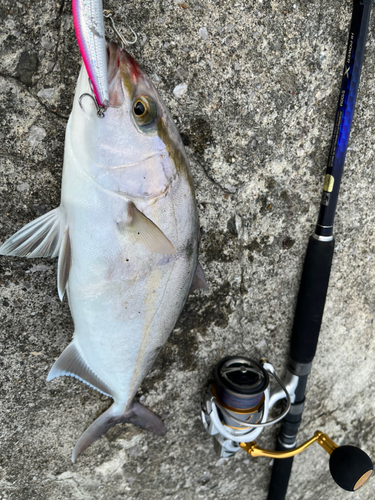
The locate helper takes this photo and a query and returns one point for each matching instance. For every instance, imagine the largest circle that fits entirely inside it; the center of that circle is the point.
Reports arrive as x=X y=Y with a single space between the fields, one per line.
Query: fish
x=89 y=28
x=126 y=235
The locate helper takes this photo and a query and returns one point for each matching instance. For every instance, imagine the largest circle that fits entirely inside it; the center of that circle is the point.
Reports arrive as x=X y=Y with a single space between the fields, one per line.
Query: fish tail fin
x=137 y=414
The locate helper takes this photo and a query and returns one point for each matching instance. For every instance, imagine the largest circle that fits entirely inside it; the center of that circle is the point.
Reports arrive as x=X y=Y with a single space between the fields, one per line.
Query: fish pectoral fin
x=64 y=264
x=199 y=280
x=46 y=236
x=140 y=229
x=72 y=364
x=137 y=414
x=39 y=238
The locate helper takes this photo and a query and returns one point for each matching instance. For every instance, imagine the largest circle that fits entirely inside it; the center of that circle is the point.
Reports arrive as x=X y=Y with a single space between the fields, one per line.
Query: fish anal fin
x=39 y=238
x=72 y=364
x=199 y=280
x=64 y=264
x=136 y=414
x=140 y=229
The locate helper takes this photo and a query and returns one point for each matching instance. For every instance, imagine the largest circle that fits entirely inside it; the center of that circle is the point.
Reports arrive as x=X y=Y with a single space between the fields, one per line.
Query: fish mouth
x=113 y=60
x=123 y=74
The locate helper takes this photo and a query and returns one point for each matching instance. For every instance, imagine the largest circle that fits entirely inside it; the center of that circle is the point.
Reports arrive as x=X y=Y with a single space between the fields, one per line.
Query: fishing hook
x=100 y=110
x=108 y=14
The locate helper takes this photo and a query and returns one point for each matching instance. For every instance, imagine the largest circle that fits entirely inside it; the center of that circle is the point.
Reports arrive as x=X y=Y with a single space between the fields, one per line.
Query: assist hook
x=108 y=14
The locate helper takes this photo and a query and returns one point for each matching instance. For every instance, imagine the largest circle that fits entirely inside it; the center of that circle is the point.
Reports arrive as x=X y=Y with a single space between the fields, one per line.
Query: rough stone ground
x=262 y=85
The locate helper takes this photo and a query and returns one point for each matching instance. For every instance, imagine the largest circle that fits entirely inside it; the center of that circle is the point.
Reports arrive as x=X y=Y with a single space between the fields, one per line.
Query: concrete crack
x=23 y=87
x=62 y=5
x=59 y=16
x=211 y=179
x=323 y=414
x=61 y=117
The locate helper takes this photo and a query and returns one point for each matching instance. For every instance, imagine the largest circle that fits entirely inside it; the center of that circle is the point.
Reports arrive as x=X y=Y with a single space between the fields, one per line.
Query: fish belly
x=124 y=299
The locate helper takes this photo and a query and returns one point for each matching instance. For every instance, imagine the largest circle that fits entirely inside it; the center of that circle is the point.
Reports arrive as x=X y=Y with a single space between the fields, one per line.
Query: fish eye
x=144 y=110
x=139 y=109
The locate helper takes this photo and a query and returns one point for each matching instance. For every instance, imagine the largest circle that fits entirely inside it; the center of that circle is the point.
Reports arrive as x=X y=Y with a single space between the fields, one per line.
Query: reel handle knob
x=350 y=467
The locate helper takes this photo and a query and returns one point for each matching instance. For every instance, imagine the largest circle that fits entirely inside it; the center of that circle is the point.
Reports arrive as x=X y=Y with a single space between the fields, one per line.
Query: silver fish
x=126 y=234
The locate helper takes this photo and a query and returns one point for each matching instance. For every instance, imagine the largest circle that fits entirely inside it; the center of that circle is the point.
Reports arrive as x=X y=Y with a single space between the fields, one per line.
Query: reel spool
x=239 y=388
x=235 y=410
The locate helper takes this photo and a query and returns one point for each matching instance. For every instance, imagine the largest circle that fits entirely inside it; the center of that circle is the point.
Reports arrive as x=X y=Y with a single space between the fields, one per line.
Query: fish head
x=135 y=149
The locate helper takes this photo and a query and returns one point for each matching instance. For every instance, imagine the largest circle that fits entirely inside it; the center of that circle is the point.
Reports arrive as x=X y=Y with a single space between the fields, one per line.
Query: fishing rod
x=317 y=265
x=235 y=409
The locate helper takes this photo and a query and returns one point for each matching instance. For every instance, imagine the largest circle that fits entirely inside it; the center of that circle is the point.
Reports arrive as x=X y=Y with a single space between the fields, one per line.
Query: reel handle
x=350 y=467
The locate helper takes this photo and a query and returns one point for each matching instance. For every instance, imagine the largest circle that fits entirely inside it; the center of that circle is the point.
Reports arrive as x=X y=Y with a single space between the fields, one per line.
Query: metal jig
x=100 y=110
x=108 y=14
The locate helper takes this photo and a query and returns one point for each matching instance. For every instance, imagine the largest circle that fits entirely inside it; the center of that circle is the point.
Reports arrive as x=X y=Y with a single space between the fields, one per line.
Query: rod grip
x=311 y=299
x=281 y=470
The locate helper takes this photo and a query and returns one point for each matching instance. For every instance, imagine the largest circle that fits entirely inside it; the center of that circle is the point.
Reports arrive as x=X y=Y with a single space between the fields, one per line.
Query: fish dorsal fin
x=39 y=238
x=140 y=229
x=64 y=264
x=72 y=364
x=199 y=280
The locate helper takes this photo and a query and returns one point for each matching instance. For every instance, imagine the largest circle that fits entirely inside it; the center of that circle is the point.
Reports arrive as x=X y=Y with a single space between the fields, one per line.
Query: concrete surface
x=256 y=112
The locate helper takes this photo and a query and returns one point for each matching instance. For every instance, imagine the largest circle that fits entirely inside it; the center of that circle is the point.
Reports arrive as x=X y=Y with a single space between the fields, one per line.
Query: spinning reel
x=235 y=411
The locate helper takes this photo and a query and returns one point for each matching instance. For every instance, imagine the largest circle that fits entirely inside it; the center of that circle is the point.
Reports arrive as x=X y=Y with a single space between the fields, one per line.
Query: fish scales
x=127 y=237
x=117 y=277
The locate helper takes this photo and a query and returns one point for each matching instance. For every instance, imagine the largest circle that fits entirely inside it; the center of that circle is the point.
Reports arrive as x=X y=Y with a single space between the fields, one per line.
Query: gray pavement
x=262 y=82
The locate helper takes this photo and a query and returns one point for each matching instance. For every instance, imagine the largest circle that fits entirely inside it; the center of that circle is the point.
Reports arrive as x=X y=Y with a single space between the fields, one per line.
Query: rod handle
x=311 y=299
x=281 y=470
